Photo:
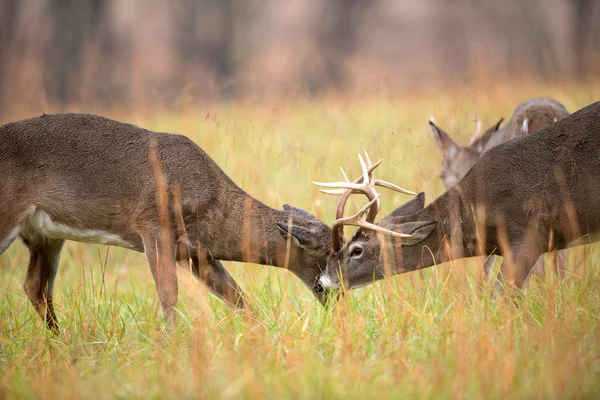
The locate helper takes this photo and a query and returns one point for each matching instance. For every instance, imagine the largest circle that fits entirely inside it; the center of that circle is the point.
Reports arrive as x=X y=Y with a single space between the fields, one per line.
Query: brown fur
x=458 y=160
x=92 y=173
x=521 y=199
x=529 y=117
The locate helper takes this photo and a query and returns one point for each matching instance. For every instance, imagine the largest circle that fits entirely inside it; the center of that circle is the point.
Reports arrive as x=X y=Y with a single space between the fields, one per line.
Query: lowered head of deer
x=365 y=185
x=94 y=180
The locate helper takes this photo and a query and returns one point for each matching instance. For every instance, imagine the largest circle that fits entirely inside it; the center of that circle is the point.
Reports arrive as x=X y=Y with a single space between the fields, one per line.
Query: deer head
x=458 y=160
x=365 y=243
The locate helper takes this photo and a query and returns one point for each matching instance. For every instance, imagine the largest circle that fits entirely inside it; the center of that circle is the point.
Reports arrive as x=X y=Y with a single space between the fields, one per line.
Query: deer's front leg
x=161 y=259
x=516 y=270
x=217 y=279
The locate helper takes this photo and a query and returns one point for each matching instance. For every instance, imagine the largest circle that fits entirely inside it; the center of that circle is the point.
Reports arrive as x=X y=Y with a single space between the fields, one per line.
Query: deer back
x=550 y=180
x=529 y=117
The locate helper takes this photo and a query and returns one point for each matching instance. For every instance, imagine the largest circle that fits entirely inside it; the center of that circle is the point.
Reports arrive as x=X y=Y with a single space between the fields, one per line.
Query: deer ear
x=301 y=237
x=444 y=141
x=419 y=230
x=298 y=211
x=494 y=128
x=412 y=206
x=525 y=127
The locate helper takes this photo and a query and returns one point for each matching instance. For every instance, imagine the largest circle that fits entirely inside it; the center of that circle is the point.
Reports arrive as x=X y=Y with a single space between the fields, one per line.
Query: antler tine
x=345 y=189
x=357 y=184
x=477 y=129
x=344 y=173
x=391 y=186
x=356 y=220
x=365 y=170
x=333 y=191
x=336 y=191
x=365 y=184
x=368 y=159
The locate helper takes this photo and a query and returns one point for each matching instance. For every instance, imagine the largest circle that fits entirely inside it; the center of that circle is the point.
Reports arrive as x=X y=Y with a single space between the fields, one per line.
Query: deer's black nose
x=318 y=287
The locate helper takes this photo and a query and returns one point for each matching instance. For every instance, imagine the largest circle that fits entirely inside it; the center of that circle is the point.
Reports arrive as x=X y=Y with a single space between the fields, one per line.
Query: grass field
x=427 y=334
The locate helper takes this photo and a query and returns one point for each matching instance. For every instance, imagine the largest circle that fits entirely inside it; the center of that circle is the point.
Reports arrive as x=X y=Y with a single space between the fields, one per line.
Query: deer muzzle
x=324 y=284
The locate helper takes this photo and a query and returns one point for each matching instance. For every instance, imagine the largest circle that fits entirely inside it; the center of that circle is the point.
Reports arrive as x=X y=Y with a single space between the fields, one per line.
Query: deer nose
x=323 y=284
x=318 y=288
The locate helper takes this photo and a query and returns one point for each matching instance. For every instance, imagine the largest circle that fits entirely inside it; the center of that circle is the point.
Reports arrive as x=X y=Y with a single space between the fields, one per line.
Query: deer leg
x=539 y=268
x=162 y=263
x=559 y=262
x=488 y=266
x=518 y=271
x=44 y=259
x=219 y=282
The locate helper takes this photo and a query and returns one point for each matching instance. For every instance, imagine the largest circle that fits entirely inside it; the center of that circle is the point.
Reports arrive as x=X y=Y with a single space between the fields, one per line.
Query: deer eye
x=356 y=251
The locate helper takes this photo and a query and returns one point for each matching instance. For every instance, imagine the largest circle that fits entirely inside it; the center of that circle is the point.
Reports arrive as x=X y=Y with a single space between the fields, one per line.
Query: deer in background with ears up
x=95 y=180
x=523 y=198
x=529 y=117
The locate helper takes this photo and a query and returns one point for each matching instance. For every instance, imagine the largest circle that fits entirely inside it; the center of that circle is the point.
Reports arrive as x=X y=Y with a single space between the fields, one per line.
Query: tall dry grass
x=427 y=334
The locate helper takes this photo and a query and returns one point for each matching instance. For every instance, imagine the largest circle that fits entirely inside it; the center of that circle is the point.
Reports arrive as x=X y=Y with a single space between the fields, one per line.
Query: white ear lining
x=525 y=126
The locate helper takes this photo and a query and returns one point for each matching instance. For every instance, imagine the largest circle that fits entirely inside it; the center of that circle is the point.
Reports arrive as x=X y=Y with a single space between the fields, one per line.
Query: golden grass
x=427 y=334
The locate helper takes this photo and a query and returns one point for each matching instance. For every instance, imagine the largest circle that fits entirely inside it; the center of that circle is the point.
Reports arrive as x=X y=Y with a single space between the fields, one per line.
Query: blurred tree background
x=176 y=52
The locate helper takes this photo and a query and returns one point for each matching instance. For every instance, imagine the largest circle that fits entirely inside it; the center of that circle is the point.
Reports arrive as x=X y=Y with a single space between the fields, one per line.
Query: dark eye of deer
x=356 y=252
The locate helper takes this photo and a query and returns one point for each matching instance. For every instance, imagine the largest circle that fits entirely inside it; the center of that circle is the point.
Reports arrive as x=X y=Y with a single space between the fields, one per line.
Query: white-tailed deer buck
x=522 y=198
x=91 y=179
x=529 y=117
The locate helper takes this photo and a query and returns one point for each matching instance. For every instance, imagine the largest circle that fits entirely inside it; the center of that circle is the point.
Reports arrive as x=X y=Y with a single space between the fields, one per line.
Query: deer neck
x=454 y=236
x=247 y=232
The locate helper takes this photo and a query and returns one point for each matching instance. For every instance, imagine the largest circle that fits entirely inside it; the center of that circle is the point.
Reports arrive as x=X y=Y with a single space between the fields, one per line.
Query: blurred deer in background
x=529 y=117
x=523 y=198
x=94 y=180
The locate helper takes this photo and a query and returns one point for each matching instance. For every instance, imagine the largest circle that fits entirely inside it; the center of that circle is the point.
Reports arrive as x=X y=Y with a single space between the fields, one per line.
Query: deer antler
x=477 y=130
x=356 y=220
x=364 y=184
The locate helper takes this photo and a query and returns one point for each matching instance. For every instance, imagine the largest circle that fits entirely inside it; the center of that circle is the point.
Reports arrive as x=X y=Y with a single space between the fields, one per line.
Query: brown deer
x=94 y=180
x=521 y=199
x=529 y=117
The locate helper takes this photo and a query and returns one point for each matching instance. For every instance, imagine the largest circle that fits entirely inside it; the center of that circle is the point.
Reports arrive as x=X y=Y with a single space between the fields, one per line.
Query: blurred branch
x=73 y=24
x=205 y=34
x=9 y=13
x=338 y=36
x=582 y=13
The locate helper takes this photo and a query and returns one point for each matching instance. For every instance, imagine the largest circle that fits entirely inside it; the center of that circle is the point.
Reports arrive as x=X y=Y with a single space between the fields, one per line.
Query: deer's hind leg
x=44 y=258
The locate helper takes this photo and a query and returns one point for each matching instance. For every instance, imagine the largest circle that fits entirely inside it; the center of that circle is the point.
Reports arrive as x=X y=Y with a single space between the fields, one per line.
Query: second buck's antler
x=365 y=185
x=477 y=130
